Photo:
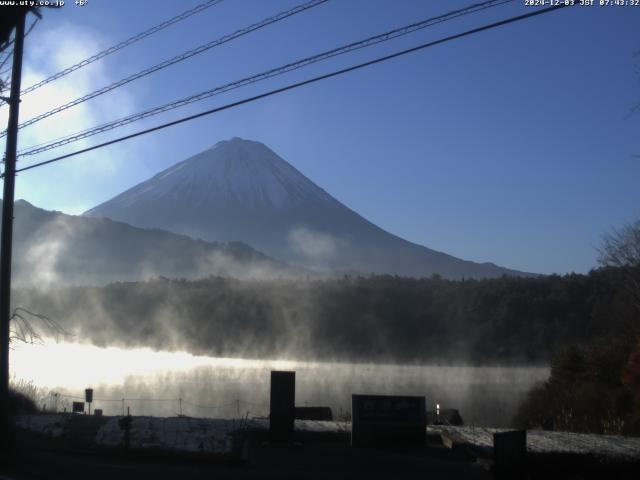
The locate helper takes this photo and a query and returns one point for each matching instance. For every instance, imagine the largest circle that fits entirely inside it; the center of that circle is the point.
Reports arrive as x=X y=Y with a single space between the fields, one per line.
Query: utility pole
x=7 y=227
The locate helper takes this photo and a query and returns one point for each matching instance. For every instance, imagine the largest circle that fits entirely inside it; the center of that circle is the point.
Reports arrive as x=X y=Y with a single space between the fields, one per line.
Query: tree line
x=379 y=318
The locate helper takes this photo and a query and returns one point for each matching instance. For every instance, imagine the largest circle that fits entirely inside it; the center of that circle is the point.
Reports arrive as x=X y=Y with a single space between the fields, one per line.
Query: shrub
x=585 y=392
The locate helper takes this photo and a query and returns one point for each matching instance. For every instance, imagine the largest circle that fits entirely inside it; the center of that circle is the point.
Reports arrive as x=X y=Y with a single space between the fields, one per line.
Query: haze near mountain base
x=240 y=190
x=54 y=249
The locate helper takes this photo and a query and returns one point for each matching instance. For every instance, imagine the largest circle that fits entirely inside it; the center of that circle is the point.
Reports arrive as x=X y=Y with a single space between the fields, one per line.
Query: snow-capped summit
x=242 y=190
x=233 y=172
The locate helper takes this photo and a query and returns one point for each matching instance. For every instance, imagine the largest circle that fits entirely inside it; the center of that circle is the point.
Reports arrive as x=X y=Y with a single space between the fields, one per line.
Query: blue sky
x=514 y=146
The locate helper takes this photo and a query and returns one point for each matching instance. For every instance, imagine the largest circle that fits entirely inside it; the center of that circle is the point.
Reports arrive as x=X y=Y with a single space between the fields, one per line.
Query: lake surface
x=170 y=383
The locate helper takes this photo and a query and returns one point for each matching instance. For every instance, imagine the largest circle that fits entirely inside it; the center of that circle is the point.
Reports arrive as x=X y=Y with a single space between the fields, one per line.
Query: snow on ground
x=307 y=426
x=322 y=426
x=540 y=441
x=172 y=433
x=186 y=434
x=215 y=436
x=52 y=425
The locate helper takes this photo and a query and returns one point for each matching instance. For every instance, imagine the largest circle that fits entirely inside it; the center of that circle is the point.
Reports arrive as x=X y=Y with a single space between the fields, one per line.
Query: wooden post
x=7 y=228
x=282 y=408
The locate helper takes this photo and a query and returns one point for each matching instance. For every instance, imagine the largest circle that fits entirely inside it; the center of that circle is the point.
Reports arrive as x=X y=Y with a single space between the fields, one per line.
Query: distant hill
x=241 y=190
x=51 y=247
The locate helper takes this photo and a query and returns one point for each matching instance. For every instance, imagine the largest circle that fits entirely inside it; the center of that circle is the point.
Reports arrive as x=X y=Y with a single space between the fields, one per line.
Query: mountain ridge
x=52 y=247
x=242 y=190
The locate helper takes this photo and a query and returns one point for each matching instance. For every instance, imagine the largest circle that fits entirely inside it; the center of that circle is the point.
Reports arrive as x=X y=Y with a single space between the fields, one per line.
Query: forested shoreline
x=385 y=318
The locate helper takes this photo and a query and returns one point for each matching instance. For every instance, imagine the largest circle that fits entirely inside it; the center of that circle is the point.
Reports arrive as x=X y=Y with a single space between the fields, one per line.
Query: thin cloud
x=52 y=49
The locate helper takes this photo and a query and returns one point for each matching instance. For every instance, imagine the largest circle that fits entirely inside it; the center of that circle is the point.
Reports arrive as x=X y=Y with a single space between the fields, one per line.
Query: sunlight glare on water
x=76 y=365
x=170 y=383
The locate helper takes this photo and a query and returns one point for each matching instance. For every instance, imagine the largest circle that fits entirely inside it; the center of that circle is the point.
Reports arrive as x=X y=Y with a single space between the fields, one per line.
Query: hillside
x=240 y=190
x=51 y=248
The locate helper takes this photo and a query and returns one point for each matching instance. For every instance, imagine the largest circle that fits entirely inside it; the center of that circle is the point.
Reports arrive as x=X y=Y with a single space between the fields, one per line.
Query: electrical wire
x=31 y=27
x=370 y=41
x=10 y=54
x=207 y=407
x=129 y=41
x=302 y=83
x=178 y=58
x=4 y=60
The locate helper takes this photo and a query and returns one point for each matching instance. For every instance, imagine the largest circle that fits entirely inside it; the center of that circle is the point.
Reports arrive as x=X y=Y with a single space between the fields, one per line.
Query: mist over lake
x=476 y=346
x=255 y=261
x=153 y=382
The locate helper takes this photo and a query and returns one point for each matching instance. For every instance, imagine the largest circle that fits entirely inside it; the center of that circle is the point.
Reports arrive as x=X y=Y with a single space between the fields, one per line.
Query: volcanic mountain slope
x=240 y=190
x=53 y=248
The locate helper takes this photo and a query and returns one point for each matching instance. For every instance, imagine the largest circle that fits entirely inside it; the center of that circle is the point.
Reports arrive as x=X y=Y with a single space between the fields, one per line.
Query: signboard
x=387 y=420
x=78 y=407
x=282 y=408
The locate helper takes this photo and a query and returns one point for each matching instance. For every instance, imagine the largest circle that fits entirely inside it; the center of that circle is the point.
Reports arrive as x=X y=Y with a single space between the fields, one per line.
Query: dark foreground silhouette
x=310 y=455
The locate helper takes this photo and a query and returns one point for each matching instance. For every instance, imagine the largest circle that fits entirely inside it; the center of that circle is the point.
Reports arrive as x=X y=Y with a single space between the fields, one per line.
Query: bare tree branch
x=621 y=249
x=22 y=330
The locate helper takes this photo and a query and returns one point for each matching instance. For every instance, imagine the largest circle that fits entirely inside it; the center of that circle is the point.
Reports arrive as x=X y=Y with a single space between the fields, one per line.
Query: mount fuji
x=240 y=190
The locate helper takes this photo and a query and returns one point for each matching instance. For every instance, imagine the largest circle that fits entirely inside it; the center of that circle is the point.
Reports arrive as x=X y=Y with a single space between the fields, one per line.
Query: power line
x=4 y=60
x=180 y=400
x=373 y=40
x=32 y=150
x=33 y=24
x=204 y=407
x=10 y=54
x=178 y=58
x=300 y=84
x=186 y=14
x=7 y=45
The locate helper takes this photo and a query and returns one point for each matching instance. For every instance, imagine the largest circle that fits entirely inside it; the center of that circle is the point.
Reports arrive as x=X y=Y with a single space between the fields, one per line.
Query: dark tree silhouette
x=23 y=329
x=595 y=387
x=631 y=379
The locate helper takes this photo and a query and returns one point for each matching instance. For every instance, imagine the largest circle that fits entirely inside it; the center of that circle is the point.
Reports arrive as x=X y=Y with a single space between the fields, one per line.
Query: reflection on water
x=169 y=383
